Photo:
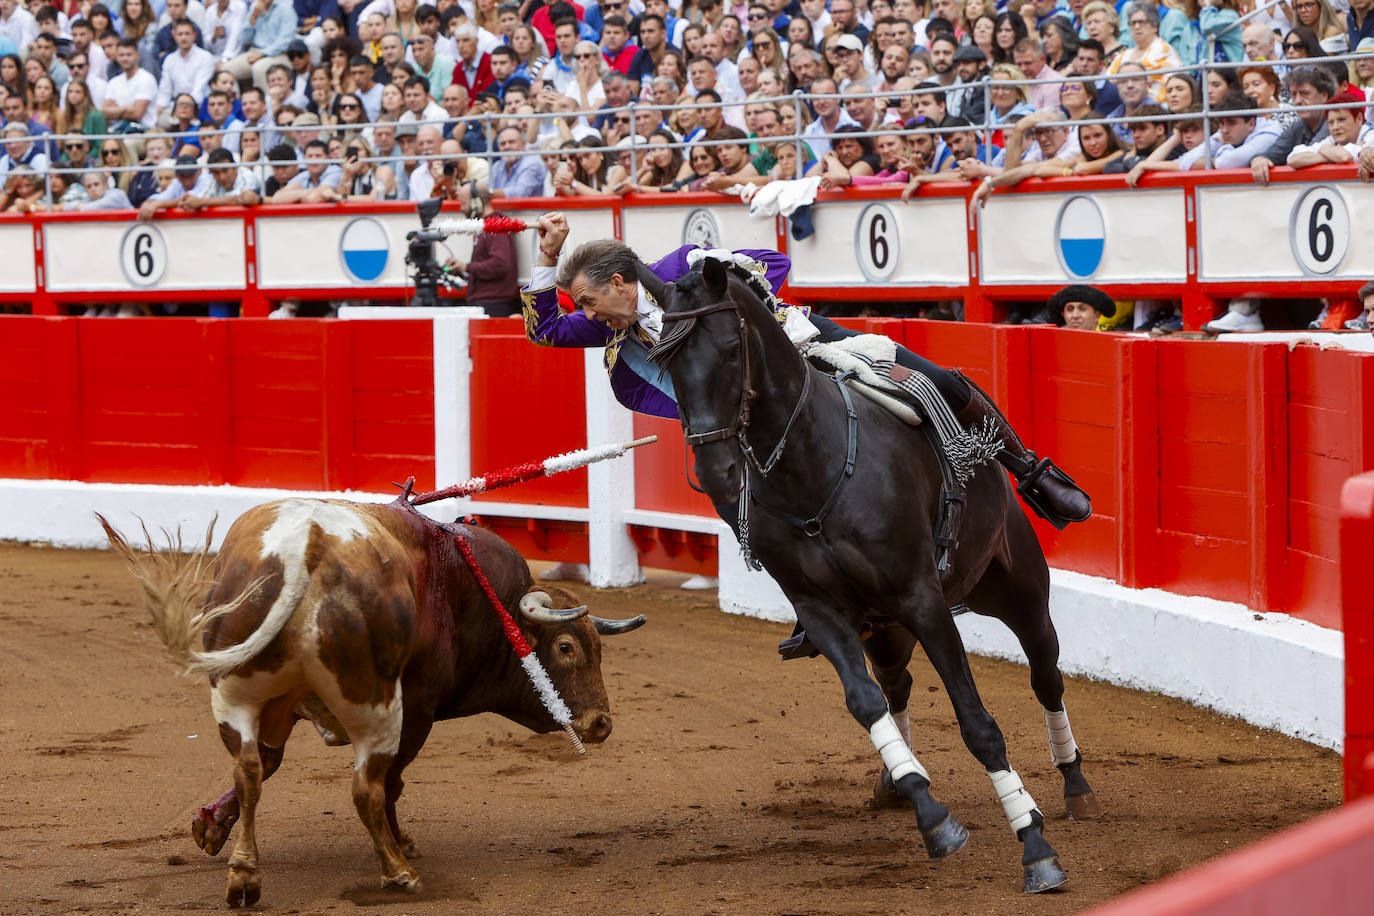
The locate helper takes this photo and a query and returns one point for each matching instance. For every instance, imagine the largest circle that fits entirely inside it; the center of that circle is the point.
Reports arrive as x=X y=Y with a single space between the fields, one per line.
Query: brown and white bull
x=365 y=619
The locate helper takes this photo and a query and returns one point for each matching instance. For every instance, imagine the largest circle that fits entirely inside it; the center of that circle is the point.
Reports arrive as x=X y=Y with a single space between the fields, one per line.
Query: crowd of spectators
x=163 y=104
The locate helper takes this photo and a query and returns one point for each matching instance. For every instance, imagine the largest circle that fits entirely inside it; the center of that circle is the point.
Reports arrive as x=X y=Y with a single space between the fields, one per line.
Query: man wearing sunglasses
x=76 y=154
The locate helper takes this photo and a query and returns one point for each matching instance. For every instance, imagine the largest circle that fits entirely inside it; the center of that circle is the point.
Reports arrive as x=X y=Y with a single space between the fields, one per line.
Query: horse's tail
x=175 y=584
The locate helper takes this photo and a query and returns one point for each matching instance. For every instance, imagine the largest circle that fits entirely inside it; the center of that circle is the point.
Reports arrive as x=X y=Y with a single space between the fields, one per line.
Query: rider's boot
x=1045 y=488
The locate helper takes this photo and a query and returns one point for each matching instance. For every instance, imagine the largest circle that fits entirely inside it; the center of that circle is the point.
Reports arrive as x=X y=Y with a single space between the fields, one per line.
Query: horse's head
x=706 y=348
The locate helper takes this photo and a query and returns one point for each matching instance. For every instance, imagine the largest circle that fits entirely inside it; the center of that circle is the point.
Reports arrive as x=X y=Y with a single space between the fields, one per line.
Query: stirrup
x=797 y=646
x=1029 y=487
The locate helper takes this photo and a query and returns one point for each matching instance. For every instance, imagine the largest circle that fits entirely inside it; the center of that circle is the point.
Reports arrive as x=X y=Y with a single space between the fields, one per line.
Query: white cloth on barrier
x=781 y=197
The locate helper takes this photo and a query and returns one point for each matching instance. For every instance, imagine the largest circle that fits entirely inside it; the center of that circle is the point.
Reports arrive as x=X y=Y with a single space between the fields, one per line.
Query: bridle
x=739 y=429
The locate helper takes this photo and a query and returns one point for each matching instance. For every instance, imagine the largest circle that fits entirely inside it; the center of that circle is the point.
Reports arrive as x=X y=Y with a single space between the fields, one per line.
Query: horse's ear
x=652 y=284
x=713 y=272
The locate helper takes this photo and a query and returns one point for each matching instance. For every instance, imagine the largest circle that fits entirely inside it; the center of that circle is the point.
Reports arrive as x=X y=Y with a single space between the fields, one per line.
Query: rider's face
x=615 y=304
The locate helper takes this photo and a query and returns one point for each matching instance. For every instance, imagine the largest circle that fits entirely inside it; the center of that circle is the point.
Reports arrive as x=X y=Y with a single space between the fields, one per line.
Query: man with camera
x=491 y=272
x=456 y=173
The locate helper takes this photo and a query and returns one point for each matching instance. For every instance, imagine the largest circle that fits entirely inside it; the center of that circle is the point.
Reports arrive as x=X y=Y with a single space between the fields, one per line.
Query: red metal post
x=1137 y=447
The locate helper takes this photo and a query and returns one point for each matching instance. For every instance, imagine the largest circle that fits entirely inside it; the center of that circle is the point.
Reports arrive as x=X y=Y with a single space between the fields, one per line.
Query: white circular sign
x=363 y=249
x=1320 y=230
x=1080 y=235
x=143 y=255
x=700 y=229
x=877 y=243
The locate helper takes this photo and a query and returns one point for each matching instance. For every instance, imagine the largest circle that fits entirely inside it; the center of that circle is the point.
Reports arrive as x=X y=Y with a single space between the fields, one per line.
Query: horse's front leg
x=889 y=654
x=838 y=640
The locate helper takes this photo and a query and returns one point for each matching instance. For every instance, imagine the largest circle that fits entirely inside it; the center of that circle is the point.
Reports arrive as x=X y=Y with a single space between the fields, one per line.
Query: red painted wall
x=1214 y=468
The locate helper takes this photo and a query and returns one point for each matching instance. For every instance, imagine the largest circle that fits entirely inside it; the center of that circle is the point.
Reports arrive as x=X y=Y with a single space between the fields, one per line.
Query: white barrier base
x=1272 y=670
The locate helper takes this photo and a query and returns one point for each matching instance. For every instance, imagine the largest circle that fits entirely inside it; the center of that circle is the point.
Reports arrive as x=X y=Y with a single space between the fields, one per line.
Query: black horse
x=841 y=505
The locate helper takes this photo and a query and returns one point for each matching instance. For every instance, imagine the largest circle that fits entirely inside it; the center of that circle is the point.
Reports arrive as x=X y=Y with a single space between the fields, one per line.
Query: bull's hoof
x=944 y=839
x=407 y=881
x=885 y=794
x=1082 y=807
x=1045 y=875
x=210 y=834
x=244 y=886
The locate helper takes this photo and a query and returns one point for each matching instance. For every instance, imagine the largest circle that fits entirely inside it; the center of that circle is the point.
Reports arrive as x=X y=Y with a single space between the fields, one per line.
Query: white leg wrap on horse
x=1062 y=747
x=903 y=720
x=897 y=756
x=1016 y=801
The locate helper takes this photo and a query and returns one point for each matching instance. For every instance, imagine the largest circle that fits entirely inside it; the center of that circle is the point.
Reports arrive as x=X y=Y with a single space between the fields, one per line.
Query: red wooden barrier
x=1321 y=866
x=1213 y=467
x=302 y=405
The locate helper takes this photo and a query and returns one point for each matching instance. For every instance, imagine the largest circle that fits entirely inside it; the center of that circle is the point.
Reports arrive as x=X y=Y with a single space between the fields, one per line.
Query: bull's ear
x=713 y=272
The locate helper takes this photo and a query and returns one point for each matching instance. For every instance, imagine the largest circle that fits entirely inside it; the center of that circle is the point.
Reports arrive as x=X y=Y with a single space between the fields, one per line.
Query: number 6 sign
x=1320 y=230
x=877 y=243
x=143 y=255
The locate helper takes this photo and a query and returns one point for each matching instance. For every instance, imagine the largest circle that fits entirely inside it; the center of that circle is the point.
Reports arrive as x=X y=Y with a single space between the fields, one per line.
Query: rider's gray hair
x=597 y=262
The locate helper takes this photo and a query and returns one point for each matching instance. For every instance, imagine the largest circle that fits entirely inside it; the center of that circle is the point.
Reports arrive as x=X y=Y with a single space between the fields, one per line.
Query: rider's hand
x=553 y=232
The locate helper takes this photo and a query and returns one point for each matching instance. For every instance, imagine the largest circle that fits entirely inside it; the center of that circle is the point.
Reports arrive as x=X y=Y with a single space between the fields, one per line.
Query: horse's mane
x=675 y=333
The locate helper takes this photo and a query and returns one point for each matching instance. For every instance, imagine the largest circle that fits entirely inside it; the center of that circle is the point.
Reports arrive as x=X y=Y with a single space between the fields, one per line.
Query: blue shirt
x=523 y=179
x=273 y=32
x=1225 y=156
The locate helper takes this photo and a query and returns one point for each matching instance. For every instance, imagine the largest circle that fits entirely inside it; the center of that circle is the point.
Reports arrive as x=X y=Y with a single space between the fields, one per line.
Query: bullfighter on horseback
x=618 y=313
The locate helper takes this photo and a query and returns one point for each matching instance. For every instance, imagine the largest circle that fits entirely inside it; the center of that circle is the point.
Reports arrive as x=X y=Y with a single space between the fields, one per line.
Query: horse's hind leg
x=942 y=833
x=1023 y=605
x=945 y=649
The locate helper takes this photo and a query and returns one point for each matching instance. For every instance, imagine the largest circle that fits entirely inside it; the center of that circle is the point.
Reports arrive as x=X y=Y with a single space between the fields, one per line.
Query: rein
x=740 y=427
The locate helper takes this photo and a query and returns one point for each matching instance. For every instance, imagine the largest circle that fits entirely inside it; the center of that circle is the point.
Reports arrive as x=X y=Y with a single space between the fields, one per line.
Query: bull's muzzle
x=594 y=726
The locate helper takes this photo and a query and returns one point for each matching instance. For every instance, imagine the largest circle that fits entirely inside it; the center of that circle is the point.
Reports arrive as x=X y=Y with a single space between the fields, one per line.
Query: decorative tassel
x=490 y=225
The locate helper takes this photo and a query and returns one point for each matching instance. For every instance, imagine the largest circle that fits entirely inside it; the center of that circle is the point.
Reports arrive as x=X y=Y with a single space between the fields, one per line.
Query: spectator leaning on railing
x=1349 y=135
x=1238 y=139
x=1306 y=86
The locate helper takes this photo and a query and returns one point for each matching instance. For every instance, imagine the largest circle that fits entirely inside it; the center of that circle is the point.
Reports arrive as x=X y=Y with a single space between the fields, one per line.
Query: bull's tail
x=175 y=584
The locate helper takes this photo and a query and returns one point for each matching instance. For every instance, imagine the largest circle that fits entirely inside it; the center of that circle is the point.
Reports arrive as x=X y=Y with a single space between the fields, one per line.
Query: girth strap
x=814 y=526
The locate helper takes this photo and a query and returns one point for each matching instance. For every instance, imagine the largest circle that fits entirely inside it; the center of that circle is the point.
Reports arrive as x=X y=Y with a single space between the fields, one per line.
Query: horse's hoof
x=1045 y=875
x=945 y=839
x=210 y=834
x=407 y=881
x=1082 y=807
x=885 y=794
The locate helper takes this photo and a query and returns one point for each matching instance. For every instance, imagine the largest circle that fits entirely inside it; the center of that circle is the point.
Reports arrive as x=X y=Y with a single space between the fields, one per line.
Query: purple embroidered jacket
x=548 y=326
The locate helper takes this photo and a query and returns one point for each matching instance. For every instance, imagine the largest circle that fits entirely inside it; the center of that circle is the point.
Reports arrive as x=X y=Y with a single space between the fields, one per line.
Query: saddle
x=867 y=364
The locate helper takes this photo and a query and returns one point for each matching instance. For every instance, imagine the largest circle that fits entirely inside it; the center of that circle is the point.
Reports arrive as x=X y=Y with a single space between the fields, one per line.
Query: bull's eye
x=565 y=647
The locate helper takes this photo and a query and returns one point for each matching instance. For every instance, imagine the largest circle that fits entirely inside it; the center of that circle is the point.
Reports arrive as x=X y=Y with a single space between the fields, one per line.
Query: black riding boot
x=1045 y=488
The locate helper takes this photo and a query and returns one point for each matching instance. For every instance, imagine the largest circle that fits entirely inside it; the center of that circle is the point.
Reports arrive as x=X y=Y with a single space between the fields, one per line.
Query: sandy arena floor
x=734 y=782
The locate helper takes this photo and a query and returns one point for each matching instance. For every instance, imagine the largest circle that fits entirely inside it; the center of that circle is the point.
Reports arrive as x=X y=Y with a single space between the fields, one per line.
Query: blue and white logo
x=1081 y=236
x=363 y=248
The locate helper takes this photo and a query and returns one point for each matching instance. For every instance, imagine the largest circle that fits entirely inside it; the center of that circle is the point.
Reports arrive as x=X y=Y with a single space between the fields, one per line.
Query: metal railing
x=491 y=124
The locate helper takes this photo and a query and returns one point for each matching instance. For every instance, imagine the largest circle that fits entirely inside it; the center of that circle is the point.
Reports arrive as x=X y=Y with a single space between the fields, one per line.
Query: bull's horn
x=613 y=627
x=536 y=607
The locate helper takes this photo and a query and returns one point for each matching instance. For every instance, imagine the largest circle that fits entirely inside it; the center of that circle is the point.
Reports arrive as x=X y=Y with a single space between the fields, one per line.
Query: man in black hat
x=971 y=65
x=1081 y=307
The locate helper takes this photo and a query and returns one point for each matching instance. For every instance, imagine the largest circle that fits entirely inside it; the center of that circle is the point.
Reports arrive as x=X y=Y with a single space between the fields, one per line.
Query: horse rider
x=617 y=313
